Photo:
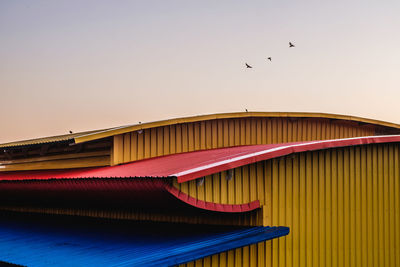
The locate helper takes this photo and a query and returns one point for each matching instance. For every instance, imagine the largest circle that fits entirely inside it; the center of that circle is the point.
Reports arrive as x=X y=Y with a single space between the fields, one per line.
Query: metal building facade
x=144 y=140
x=228 y=132
x=341 y=204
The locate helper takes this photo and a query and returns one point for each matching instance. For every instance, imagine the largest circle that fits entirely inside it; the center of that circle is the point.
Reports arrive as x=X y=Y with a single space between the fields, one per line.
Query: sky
x=86 y=65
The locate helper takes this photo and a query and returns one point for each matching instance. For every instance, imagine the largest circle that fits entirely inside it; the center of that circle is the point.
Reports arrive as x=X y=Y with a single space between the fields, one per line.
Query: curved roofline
x=130 y=128
x=192 y=165
x=98 y=134
x=238 y=208
x=258 y=153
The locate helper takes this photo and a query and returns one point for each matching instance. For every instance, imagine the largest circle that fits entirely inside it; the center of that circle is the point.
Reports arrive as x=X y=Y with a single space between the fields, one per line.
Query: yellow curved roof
x=98 y=134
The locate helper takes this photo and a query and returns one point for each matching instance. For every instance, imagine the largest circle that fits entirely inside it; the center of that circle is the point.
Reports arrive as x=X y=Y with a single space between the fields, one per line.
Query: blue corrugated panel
x=114 y=244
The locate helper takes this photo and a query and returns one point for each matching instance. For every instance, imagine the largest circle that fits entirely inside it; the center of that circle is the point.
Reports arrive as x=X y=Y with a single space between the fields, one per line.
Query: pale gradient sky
x=84 y=65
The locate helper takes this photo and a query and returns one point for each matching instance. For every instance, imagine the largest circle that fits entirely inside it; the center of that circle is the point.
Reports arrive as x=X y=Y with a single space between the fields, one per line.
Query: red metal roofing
x=136 y=182
x=192 y=165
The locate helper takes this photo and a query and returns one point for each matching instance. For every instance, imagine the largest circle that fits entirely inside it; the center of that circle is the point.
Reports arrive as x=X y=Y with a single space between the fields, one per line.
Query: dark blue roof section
x=73 y=242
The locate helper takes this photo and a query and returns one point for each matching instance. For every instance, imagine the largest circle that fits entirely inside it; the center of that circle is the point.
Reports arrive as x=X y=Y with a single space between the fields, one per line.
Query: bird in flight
x=270 y=59
x=70 y=132
x=291 y=45
x=248 y=66
x=247 y=110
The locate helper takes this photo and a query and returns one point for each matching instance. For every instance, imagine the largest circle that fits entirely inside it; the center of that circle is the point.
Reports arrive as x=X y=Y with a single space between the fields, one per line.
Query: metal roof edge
x=54 y=243
x=212 y=206
x=86 y=136
x=193 y=252
x=130 y=128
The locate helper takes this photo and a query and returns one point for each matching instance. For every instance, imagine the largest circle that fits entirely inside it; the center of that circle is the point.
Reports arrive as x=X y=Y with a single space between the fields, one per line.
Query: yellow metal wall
x=63 y=161
x=209 y=134
x=56 y=156
x=342 y=207
x=248 y=184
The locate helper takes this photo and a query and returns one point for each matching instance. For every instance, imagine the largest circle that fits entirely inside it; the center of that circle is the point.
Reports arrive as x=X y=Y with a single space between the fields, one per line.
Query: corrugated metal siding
x=247 y=184
x=380 y=126
x=210 y=131
x=66 y=138
x=63 y=161
x=342 y=206
x=56 y=156
x=210 y=134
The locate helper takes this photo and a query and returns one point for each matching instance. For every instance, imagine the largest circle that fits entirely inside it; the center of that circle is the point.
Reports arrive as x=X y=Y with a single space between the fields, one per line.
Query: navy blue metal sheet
x=110 y=243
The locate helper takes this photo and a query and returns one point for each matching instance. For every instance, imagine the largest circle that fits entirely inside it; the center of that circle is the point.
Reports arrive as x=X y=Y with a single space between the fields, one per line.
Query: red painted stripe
x=210 y=205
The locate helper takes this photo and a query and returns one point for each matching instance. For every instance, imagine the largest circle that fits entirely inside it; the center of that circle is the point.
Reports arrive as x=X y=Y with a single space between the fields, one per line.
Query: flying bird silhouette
x=270 y=59
x=291 y=45
x=247 y=110
x=70 y=132
x=248 y=66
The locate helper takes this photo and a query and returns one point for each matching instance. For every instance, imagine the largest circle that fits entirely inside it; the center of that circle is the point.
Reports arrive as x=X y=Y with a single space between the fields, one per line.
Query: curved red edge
x=283 y=150
x=210 y=205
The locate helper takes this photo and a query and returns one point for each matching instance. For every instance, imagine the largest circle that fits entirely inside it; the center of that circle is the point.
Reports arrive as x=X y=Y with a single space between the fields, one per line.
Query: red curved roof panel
x=146 y=182
x=192 y=165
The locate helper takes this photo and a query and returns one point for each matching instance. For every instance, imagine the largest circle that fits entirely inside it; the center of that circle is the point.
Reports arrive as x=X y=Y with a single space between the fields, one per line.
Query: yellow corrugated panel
x=98 y=134
x=309 y=210
x=67 y=161
x=397 y=204
x=342 y=206
x=210 y=134
x=117 y=155
x=93 y=135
